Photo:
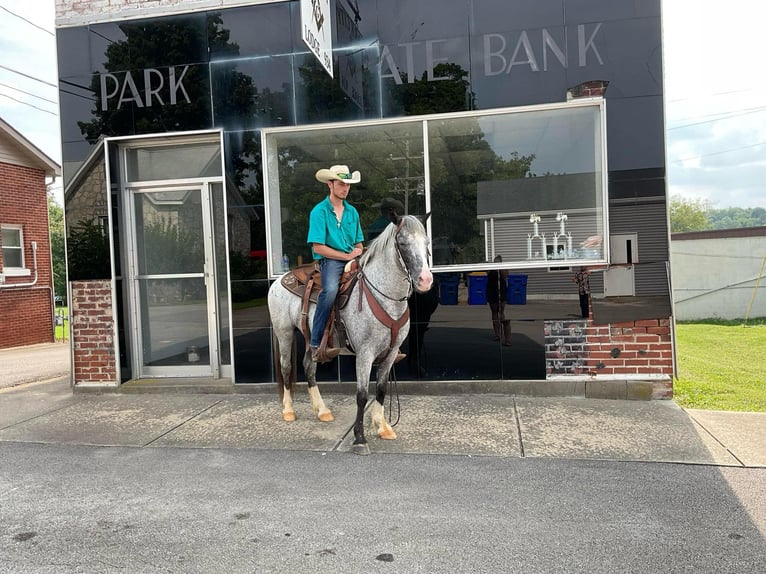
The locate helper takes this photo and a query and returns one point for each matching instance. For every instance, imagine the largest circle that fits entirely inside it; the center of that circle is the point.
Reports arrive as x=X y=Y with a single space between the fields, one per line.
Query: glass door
x=173 y=282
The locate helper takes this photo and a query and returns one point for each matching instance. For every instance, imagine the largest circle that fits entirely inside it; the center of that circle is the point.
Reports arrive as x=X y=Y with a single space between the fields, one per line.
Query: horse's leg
x=285 y=378
x=363 y=367
x=379 y=423
x=317 y=404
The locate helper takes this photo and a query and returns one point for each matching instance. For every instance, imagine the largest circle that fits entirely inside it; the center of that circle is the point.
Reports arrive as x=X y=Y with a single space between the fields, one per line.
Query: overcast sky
x=715 y=90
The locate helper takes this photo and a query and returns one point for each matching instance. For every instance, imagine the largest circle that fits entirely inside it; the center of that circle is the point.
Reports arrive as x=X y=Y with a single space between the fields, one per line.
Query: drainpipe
x=3 y=285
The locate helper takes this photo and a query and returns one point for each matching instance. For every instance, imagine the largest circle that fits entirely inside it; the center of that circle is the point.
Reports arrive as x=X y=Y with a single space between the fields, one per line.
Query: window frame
x=272 y=198
x=14 y=271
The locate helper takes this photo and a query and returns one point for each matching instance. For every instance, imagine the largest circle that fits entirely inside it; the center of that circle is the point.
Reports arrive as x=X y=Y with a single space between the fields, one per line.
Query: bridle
x=366 y=287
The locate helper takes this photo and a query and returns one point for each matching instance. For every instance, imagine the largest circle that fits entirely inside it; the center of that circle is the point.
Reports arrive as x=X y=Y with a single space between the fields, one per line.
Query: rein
x=394 y=325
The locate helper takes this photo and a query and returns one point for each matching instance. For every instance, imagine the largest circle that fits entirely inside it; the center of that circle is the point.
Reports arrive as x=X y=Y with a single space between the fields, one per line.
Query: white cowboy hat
x=339 y=172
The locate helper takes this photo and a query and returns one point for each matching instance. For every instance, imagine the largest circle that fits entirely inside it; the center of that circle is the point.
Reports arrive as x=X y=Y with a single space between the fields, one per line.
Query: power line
x=15 y=89
x=27 y=21
x=717 y=152
x=28 y=104
x=28 y=76
x=722 y=116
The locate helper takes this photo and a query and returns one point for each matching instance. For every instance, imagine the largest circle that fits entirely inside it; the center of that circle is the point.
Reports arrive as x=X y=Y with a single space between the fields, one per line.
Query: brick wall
x=619 y=350
x=26 y=313
x=93 y=333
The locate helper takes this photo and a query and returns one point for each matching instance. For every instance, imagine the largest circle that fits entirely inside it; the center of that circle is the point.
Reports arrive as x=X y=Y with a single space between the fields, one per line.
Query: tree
x=58 y=255
x=687 y=214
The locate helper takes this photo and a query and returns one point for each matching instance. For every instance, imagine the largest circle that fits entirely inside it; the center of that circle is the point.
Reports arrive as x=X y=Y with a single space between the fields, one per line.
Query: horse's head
x=412 y=244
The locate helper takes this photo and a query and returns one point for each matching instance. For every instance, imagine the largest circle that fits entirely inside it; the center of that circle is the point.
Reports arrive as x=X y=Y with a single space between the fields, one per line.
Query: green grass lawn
x=61 y=332
x=721 y=365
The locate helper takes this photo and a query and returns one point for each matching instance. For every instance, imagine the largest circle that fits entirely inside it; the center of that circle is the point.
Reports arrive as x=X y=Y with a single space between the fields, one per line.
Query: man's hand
x=355 y=252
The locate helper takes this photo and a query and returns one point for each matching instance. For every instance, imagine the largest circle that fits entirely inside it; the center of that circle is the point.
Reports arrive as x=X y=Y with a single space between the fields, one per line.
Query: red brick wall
x=578 y=347
x=93 y=333
x=26 y=313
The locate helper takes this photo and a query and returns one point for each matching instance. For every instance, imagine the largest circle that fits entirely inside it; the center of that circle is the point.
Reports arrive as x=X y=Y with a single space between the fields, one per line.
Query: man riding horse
x=335 y=236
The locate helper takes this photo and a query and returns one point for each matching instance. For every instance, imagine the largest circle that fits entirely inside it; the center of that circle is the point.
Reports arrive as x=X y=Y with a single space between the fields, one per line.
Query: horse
x=395 y=264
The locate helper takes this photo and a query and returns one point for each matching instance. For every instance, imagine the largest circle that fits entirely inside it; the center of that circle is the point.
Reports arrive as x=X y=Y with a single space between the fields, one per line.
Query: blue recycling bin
x=477 y=288
x=517 y=289
x=448 y=284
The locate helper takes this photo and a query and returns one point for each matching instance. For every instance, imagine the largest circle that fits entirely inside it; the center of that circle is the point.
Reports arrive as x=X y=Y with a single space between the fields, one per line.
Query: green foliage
x=737 y=217
x=731 y=380
x=688 y=214
x=698 y=215
x=58 y=254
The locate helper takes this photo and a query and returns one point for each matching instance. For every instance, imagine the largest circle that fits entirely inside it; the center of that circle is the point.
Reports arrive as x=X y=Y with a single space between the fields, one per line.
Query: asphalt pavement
x=475 y=482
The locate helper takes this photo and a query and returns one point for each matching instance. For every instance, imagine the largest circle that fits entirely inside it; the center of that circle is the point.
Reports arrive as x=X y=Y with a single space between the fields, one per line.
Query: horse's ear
x=393 y=217
x=425 y=217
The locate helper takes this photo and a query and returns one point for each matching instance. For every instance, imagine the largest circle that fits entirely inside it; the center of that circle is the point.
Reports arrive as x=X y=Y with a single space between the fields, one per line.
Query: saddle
x=305 y=281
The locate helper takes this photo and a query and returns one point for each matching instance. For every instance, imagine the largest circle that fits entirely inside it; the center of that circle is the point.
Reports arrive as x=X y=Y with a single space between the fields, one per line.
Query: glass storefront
x=460 y=113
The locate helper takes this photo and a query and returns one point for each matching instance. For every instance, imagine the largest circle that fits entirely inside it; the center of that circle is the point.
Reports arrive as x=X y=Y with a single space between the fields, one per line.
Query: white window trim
x=21 y=271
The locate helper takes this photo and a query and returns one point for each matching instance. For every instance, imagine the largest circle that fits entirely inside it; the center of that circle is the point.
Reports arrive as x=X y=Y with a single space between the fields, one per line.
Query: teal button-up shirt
x=324 y=228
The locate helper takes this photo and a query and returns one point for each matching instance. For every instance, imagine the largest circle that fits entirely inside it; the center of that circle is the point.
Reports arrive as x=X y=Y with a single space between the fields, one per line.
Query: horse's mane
x=382 y=241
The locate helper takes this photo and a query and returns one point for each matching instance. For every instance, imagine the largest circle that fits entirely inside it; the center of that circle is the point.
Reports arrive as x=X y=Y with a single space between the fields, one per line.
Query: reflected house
x=191 y=138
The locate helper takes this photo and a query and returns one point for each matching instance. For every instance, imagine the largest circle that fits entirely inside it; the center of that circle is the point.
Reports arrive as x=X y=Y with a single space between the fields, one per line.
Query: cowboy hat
x=339 y=172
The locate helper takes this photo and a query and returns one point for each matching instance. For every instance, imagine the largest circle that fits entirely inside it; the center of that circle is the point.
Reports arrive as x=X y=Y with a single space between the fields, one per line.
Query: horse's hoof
x=387 y=434
x=363 y=449
x=288 y=416
x=326 y=417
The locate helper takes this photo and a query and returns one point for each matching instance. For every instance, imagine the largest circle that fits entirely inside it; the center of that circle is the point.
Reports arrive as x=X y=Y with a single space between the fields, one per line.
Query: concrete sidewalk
x=461 y=424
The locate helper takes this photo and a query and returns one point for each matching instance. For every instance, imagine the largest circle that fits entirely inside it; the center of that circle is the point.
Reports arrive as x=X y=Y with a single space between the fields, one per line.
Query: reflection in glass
x=153 y=163
x=390 y=158
x=174 y=327
x=221 y=271
x=526 y=185
x=87 y=220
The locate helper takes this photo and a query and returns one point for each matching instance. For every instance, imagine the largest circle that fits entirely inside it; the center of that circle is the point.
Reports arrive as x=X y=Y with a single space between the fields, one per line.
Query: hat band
x=344 y=176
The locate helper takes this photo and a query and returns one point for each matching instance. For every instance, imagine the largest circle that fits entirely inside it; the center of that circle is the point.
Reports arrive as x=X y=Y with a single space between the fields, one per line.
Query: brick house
x=26 y=278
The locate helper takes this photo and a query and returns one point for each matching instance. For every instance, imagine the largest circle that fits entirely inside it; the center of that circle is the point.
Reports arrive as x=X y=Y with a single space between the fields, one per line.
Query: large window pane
x=174 y=161
x=389 y=156
x=524 y=184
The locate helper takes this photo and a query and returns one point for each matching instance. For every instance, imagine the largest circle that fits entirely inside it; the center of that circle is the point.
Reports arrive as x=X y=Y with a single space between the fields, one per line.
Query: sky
x=715 y=93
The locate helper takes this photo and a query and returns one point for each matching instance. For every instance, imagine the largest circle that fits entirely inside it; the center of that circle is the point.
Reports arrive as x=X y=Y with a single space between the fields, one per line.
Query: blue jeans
x=331 y=270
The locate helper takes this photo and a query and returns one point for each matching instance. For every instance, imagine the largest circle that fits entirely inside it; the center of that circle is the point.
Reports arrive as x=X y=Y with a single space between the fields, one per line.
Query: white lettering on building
x=123 y=88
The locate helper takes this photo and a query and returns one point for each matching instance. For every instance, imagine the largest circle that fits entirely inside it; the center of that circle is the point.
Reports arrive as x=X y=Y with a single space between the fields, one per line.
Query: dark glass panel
x=79 y=104
x=428 y=78
x=405 y=21
x=600 y=11
x=626 y=53
x=348 y=96
x=153 y=43
x=504 y=15
x=519 y=67
x=253 y=92
x=73 y=52
x=635 y=132
x=252 y=31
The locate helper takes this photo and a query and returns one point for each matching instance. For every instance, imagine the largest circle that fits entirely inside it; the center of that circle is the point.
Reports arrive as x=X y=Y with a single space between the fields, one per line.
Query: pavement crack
x=191 y=418
x=715 y=438
x=518 y=428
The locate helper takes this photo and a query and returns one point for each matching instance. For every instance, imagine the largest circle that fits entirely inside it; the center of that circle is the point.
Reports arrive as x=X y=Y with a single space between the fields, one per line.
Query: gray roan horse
x=395 y=263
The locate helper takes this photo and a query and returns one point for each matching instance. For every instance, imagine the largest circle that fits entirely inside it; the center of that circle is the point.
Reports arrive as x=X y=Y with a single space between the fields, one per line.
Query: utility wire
x=27 y=21
x=722 y=116
x=15 y=89
x=28 y=104
x=717 y=152
x=28 y=76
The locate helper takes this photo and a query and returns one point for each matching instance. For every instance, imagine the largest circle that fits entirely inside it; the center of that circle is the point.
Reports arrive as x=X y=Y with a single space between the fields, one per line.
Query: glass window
x=177 y=161
x=526 y=184
x=13 y=247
